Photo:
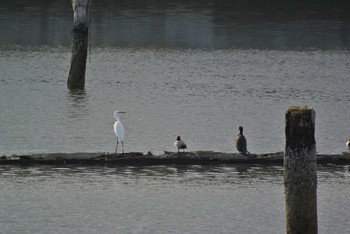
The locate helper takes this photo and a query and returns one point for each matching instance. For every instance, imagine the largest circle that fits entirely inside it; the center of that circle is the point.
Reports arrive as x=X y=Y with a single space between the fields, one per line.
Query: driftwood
x=182 y=158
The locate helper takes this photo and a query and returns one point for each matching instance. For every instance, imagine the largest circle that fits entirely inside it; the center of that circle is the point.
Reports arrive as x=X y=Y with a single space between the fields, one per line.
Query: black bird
x=241 y=142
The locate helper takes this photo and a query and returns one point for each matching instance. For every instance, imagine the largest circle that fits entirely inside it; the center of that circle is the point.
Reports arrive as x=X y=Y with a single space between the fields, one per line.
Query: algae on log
x=80 y=32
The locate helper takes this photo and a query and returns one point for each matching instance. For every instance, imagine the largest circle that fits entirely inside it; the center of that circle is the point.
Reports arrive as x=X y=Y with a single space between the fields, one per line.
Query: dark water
x=197 y=24
x=198 y=69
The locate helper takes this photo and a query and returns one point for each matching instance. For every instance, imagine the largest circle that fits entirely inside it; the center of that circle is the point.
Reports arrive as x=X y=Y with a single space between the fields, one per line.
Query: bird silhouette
x=241 y=142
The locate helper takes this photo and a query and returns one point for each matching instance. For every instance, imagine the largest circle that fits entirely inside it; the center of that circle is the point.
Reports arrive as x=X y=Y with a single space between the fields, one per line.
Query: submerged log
x=186 y=158
x=80 y=32
x=137 y=158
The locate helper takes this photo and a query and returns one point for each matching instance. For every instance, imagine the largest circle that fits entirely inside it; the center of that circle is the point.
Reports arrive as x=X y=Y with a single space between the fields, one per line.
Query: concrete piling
x=80 y=32
x=300 y=171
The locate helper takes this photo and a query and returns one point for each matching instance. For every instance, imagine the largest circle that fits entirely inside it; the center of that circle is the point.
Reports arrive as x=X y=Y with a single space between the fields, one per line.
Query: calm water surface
x=161 y=199
x=202 y=95
x=177 y=68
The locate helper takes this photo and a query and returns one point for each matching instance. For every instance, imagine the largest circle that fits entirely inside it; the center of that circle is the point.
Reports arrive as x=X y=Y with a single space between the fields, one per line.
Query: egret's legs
x=116 y=148
x=123 y=146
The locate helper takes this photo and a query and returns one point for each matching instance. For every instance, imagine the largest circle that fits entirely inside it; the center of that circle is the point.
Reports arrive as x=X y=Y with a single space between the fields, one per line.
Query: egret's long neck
x=116 y=116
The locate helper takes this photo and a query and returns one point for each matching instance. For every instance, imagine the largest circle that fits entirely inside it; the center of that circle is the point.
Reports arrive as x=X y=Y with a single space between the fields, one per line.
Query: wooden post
x=300 y=173
x=80 y=32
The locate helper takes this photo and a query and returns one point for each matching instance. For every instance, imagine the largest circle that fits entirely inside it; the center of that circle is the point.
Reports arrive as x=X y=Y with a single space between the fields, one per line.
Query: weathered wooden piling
x=300 y=173
x=80 y=32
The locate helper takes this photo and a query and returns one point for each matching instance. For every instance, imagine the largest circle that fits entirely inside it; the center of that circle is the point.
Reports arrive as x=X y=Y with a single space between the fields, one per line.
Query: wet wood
x=138 y=158
x=300 y=171
x=80 y=32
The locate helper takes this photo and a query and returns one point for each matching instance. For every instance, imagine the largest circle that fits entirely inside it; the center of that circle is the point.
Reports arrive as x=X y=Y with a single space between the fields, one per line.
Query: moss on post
x=80 y=32
x=300 y=176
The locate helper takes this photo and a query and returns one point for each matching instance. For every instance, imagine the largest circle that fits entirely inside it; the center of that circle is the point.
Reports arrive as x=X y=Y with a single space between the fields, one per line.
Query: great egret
x=119 y=130
x=348 y=144
x=241 y=142
x=180 y=144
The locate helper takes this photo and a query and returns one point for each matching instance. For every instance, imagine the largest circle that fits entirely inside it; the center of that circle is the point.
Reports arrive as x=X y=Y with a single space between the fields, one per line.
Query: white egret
x=348 y=144
x=119 y=130
x=241 y=142
x=180 y=144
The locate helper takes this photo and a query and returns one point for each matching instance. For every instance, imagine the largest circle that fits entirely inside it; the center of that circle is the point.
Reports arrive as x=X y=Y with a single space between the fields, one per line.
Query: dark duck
x=241 y=142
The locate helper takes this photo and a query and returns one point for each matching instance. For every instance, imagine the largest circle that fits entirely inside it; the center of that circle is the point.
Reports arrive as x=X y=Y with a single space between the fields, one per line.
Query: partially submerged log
x=80 y=32
x=168 y=158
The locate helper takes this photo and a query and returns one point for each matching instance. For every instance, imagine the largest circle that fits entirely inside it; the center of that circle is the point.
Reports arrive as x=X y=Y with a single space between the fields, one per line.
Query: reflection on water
x=77 y=96
x=161 y=199
x=210 y=24
x=78 y=103
x=188 y=175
